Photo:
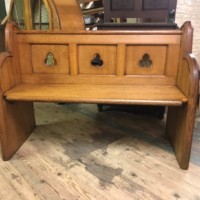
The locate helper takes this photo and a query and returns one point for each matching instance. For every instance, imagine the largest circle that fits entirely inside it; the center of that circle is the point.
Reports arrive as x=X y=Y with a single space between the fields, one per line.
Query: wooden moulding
x=116 y=94
x=82 y=45
x=100 y=37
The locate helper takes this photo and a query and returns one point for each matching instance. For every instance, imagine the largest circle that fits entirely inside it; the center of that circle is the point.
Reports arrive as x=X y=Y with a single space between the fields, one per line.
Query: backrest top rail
x=100 y=32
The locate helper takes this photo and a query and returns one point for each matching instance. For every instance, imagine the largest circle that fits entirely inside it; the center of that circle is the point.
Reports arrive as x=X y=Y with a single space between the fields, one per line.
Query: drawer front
x=97 y=59
x=146 y=60
x=50 y=59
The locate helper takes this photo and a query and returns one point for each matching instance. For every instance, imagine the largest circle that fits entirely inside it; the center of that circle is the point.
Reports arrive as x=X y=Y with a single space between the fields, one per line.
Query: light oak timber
x=54 y=20
x=60 y=54
x=99 y=79
x=181 y=120
x=115 y=32
x=121 y=52
x=15 y=128
x=73 y=59
x=10 y=41
x=127 y=94
x=108 y=54
x=70 y=15
x=28 y=15
x=77 y=80
x=24 y=58
x=58 y=12
x=172 y=63
x=49 y=11
x=157 y=55
x=99 y=37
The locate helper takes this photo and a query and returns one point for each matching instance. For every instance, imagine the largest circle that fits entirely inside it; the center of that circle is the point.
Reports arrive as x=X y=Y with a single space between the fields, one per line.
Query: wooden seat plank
x=115 y=94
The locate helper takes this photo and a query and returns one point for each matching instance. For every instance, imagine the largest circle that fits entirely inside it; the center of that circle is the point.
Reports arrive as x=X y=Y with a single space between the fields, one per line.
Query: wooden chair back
x=43 y=14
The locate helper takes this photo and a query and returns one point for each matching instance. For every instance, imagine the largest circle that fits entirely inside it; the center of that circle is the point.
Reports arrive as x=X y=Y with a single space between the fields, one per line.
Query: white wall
x=189 y=10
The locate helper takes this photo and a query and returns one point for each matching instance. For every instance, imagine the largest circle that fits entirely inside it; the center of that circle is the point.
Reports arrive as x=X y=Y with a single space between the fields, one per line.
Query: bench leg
x=179 y=130
x=16 y=124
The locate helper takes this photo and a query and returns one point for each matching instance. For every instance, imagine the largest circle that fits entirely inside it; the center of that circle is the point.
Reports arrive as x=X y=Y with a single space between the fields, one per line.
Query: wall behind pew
x=189 y=10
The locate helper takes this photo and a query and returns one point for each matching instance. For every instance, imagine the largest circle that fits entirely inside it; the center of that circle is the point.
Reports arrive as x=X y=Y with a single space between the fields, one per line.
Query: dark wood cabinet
x=140 y=9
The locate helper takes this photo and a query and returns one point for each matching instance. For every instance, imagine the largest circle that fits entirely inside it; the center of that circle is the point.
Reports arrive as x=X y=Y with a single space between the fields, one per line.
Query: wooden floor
x=79 y=153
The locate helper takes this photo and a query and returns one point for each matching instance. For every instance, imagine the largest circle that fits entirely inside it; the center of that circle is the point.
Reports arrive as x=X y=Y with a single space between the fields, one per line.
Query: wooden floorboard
x=79 y=153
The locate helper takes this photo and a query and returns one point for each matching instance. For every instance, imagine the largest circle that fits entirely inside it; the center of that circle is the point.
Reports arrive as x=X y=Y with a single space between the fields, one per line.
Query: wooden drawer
x=104 y=64
x=146 y=60
x=50 y=59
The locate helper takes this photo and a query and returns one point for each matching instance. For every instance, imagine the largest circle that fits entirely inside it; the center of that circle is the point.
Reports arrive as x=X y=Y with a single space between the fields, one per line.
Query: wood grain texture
x=89 y=85
x=107 y=53
x=99 y=79
x=173 y=53
x=28 y=15
x=73 y=58
x=100 y=37
x=121 y=57
x=112 y=46
x=181 y=120
x=127 y=94
x=60 y=53
x=53 y=18
x=77 y=152
x=70 y=15
x=16 y=120
x=157 y=55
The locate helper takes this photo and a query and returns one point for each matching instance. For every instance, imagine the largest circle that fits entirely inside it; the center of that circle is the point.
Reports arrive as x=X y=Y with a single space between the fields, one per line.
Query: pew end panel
x=180 y=120
x=17 y=118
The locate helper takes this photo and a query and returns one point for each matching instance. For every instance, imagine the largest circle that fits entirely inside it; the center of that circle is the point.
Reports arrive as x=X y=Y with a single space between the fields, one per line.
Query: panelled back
x=100 y=57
